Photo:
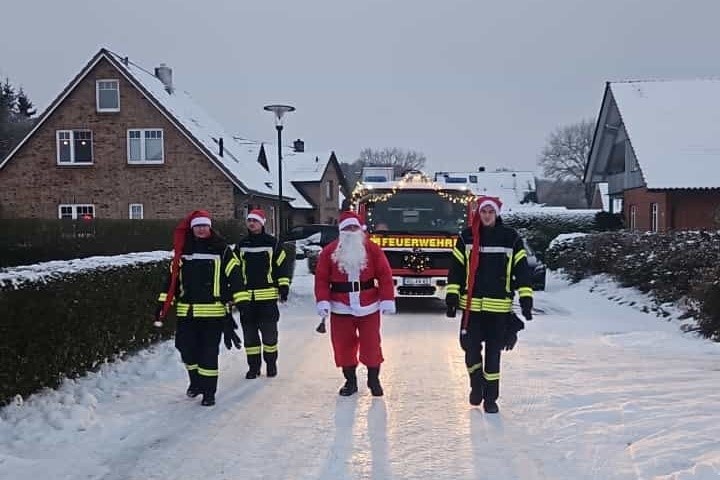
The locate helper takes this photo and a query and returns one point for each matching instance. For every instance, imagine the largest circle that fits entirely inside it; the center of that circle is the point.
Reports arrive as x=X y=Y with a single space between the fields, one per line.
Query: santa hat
x=200 y=217
x=257 y=214
x=349 y=218
x=494 y=202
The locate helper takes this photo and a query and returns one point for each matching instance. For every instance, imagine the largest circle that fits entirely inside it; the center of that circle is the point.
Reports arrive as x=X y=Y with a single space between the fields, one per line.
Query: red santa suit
x=354 y=300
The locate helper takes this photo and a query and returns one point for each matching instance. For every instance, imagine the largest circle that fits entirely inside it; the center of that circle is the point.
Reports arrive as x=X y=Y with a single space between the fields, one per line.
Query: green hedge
x=540 y=226
x=64 y=327
x=671 y=266
x=28 y=241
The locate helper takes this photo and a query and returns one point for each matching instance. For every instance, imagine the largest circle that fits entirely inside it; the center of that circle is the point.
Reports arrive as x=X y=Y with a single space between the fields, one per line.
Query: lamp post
x=279 y=111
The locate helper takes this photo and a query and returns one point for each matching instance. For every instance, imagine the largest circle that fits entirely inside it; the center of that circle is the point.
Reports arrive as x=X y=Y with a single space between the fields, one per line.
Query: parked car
x=304 y=235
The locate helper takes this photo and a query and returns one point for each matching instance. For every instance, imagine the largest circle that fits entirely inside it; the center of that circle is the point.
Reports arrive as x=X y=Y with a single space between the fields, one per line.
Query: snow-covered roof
x=510 y=186
x=239 y=161
x=674 y=129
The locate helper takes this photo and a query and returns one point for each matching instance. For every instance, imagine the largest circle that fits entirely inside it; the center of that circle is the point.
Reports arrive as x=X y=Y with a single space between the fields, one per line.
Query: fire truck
x=416 y=222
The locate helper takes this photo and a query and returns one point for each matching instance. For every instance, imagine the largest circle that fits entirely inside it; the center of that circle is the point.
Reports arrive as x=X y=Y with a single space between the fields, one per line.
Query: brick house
x=657 y=147
x=122 y=142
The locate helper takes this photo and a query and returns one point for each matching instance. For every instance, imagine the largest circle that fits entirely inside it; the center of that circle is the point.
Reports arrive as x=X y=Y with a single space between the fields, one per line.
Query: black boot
x=477 y=388
x=208 y=400
x=194 y=389
x=271 y=369
x=490 y=407
x=373 y=382
x=350 y=386
x=254 y=364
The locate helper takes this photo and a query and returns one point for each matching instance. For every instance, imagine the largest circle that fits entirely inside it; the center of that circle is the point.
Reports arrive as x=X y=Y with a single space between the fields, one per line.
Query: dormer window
x=107 y=94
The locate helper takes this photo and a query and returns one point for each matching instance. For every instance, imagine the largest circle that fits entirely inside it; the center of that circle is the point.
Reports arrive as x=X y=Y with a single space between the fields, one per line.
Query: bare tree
x=566 y=153
x=401 y=160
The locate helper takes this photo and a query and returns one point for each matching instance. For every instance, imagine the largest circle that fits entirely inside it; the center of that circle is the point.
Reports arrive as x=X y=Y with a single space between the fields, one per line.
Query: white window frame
x=329 y=187
x=130 y=211
x=633 y=217
x=97 y=94
x=654 y=223
x=72 y=147
x=75 y=207
x=142 y=160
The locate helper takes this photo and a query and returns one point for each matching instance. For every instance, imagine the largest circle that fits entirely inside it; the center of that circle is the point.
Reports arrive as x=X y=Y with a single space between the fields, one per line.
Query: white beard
x=350 y=254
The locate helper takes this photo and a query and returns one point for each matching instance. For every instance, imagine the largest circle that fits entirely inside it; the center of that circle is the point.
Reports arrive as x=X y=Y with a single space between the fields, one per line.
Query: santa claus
x=354 y=285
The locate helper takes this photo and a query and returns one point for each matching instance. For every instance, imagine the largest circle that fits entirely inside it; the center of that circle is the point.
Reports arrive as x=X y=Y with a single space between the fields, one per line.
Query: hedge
x=673 y=267
x=64 y=327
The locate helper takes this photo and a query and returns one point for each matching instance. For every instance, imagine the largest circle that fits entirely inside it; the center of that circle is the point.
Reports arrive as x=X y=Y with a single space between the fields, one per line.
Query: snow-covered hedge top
x=565 y=237
x=42 y=272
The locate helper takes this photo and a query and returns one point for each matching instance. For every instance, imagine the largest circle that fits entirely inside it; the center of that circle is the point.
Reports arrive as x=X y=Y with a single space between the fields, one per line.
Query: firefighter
x=265 y=271
x=204 y=277
x=489 y=260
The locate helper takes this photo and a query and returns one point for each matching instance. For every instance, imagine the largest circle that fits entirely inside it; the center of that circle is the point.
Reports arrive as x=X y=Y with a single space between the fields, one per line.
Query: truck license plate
x=417 y=281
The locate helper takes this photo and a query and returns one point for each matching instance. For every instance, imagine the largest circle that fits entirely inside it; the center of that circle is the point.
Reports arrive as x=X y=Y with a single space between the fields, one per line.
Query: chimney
x=164 y=73
x=298 y=146
x=481 y=169
x=220 y=144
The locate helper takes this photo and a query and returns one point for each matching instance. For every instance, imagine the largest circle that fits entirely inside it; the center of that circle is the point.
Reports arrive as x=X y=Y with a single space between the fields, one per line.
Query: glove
x=514 y=325
x=158 y=323
x=452 y=300
x=283 y=290
x=323 y=308
x=526 y=305
x=229 y=336
x=387 y=307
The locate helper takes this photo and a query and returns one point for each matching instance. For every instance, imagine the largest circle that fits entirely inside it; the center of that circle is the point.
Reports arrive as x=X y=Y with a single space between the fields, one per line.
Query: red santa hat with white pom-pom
x=485 y=201
x=348 y=219
x=257 y=214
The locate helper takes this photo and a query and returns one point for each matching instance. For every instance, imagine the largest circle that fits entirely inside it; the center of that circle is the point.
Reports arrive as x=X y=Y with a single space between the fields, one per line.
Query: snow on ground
x=594 y=390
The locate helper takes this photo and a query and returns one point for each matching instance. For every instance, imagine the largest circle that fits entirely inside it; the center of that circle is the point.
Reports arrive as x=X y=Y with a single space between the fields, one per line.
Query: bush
x=63 y=327
x=671 y=266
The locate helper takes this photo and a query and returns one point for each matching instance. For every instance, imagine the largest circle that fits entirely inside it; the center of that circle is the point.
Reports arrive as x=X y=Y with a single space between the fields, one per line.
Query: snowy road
x=594 y=390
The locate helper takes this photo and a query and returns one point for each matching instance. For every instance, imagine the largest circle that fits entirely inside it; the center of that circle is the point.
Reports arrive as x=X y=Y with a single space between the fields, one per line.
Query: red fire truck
x=416 y=222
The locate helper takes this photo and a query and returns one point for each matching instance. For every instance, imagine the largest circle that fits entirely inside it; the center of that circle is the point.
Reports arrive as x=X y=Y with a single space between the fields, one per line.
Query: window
x=329 y=190
x=107 y=95
x=145 y=146
x=633 y=217
x=654 y=217
x=74 y=212
x=74 y=146
x=136 y=211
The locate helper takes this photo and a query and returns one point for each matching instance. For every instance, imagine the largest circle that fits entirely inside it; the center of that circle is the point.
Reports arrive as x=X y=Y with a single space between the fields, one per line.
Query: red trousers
x=350 y=334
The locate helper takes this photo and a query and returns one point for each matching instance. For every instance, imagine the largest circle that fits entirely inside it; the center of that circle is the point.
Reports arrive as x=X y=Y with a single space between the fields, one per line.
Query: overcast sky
x=466 y=82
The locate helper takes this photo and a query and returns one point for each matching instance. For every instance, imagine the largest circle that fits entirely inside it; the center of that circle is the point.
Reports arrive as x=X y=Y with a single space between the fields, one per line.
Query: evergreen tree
x=24 y=106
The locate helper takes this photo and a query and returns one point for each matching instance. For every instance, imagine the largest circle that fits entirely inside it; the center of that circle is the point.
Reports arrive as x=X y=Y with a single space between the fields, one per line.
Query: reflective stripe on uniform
x=162 y=297
x=280 y=258
x=270 y=348
x=474 y=368
x=487 y=304
x=284 y=281
x=453 y=288
x=519 y=256
x=199 y=310
x=239 y=297
x=458 y=255
x=252 y=350
x=525 y=292
x=205 y=372
x=194 y=366
x=491 y=376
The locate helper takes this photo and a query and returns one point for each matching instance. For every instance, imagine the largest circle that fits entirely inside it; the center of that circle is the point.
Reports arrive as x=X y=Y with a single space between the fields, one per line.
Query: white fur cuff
x=387 y=306
x=323 y=308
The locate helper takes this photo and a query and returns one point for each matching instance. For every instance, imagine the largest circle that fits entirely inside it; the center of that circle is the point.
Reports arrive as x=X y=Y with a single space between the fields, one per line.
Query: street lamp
x=279 y=111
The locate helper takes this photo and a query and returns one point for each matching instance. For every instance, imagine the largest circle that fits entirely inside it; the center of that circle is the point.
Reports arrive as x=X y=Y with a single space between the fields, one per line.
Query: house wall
x=328 y=207
x=692 y=209
x=678 y=209
x=32 y=184
x=642 y=199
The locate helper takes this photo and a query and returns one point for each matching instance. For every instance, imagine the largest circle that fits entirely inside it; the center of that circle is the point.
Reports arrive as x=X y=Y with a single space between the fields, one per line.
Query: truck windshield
x=415 y=212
